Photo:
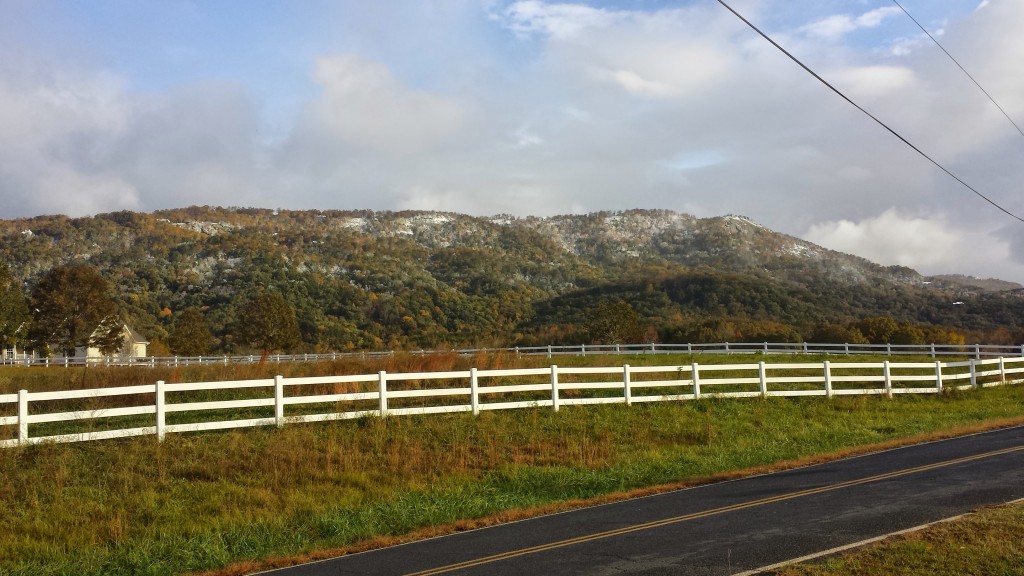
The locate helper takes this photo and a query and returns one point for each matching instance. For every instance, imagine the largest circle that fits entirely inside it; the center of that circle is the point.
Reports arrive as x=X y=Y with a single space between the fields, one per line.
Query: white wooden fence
x=196 y=406
x=977 y=351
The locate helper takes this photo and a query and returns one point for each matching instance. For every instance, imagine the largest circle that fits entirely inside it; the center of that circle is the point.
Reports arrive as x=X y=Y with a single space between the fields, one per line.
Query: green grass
x=987 y=543
x=203 y=501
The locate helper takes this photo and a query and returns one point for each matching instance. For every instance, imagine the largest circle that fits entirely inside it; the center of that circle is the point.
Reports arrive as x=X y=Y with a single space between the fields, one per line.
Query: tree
x=268 y=323
x=878 y=329
x=614 y=322
x=826 y=333
x=14 y=317
x=68 y=304
x=190 y=335
x=907 y=333
x=108 y=336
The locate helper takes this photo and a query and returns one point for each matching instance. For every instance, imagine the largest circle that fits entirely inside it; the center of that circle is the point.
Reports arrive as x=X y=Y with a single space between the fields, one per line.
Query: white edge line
x=862 y=543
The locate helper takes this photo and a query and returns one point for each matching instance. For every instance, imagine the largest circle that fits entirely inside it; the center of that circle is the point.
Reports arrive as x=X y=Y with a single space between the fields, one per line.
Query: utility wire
x=962 y=69
x=869 y=114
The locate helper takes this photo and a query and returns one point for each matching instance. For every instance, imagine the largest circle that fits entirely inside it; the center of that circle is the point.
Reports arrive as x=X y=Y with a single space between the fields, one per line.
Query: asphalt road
x=728 y=527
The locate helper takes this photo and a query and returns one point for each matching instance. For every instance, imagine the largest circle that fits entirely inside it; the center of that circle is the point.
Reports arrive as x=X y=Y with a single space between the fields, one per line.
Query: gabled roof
x=135 y=336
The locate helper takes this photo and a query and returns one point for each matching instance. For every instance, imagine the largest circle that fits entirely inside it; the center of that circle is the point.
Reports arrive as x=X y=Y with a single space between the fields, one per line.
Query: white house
x=134 y=346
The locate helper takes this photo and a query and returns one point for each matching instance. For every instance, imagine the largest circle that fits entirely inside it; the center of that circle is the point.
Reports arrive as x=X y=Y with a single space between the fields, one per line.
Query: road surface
x=728 y=527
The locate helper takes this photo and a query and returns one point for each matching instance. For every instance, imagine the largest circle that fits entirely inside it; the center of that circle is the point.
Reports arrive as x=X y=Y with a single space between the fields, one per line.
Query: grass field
x=209 y=501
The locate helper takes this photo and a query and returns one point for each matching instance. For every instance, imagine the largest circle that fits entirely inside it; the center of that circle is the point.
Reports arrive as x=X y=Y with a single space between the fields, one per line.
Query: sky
x=528 y=107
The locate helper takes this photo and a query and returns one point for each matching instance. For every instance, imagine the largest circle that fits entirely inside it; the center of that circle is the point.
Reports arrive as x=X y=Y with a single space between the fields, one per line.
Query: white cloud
x=871 y=82
x=367 y=108
x=835 y=27
x=932 y=245
x=560 y=21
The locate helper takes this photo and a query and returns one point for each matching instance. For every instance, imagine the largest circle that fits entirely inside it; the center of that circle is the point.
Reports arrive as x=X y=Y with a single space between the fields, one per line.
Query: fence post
x=583 y=349
x=726 y=347
x=846 y=348
x=474 y=392
x=161 y=411
x=938 y=376
x=549 y=352
x=827 y=368
x=763 y=378
x=382 y=386
x=627 y=385
x=888 y=378
x=888 y=349
x=279 y=400
x=765 y=347
x=554 y=387
x=696 y=380
x=1002 y=370
x=974 y=373
x=933 y=350
x=689 y=349
x=22 y=417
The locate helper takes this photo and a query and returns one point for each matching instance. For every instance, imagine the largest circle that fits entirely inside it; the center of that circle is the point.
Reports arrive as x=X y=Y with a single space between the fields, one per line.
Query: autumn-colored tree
x=878 y=329
x=67 y=304
x=907 y=333
x=190 y=335
x=267 y=322
x=826 y=333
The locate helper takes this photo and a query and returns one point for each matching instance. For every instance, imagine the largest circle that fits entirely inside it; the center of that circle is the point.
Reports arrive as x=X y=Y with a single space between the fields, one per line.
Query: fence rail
x=164 y=408
x=976 y=351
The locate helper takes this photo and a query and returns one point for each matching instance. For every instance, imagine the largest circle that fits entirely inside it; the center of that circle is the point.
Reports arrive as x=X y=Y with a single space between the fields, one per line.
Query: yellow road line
x=706 y=513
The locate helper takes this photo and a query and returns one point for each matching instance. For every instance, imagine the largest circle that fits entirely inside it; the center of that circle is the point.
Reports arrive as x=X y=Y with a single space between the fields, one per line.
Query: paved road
x=727 y=527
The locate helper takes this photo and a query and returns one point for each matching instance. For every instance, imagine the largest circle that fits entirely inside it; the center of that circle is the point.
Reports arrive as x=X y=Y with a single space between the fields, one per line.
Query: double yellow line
x=706 y=513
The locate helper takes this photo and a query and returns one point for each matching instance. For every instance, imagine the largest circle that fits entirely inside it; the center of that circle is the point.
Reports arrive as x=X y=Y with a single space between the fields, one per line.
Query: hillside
x=363 y=280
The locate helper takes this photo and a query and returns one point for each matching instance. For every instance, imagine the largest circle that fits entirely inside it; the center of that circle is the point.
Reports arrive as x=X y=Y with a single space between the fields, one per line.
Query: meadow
x=228 y=502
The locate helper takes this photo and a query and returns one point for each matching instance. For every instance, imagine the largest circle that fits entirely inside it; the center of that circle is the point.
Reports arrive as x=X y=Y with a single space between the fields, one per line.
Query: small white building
x=134 y=346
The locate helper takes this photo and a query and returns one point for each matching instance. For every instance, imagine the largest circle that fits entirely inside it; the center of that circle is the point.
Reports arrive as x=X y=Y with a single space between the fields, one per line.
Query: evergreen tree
x=68 y=304
x=267 y=322
x=614 y=322
x=190 y=335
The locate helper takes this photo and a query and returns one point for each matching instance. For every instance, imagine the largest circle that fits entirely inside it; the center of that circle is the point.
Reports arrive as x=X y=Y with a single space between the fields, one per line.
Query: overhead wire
x=869 y=114
x=962 y=69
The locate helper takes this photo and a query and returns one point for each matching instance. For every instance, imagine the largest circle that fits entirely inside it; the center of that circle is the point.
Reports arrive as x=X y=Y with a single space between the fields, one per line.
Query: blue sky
x=525 y=107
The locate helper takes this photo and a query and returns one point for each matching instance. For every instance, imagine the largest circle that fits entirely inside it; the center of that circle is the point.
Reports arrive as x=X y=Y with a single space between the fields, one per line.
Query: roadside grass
x=206 y=501
x=989 y=542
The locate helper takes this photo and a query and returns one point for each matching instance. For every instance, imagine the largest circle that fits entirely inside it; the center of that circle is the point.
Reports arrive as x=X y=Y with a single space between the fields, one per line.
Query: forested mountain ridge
x=363 y=279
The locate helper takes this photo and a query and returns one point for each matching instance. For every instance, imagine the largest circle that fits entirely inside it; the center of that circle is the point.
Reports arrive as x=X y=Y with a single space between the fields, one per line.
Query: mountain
x=364 y=279
x=970 y=285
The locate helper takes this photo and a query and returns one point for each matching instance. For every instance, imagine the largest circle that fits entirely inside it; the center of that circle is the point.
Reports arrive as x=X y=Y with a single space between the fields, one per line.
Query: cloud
x=56 y=131
x=835 y=27
x=363 y=105
x=932 y=245
x=872 y=82
x=559 y=21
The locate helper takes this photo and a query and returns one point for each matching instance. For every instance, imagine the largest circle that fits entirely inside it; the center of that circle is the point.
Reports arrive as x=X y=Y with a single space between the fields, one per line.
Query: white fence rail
x=162 y=408
x=976 y=351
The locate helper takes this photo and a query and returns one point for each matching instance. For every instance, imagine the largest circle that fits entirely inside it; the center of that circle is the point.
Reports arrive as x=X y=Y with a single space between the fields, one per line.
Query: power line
x=868 y=114
x=962 y=69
